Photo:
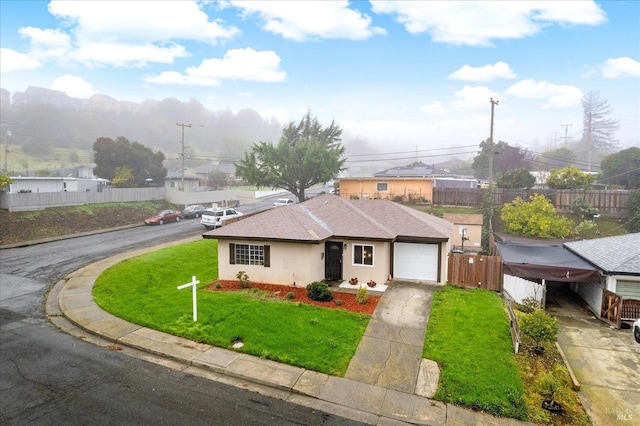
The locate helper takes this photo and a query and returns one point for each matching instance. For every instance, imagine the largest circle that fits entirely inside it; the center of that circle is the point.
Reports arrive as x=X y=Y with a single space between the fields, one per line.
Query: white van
x=214 y=218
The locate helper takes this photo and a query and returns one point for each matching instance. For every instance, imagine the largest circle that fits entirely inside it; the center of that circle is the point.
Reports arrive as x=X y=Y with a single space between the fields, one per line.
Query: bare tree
x=598 y=133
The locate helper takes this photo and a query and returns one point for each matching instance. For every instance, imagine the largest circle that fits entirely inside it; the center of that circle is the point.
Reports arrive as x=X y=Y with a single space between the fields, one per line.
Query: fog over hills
x=39 y=120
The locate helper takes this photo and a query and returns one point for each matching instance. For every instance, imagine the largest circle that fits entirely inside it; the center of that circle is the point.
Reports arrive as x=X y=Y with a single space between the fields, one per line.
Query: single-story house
x=618 y=260
x=43 y=184
x=414 y=182
x=467 y=226
x=328 y=237
x=603 y=272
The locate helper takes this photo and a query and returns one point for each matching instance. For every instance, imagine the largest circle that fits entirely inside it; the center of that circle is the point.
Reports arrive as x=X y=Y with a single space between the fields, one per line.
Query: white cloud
x=10 y=60
x=46 y=44
x=557 y=96
x=73 y=86
x=237 y=64
x=433 y=108
x=484 y=73
x=123 y=55
x=621 y=67
x=303 y=20
x=470 y=97
x=127 y=33
x=478 y=23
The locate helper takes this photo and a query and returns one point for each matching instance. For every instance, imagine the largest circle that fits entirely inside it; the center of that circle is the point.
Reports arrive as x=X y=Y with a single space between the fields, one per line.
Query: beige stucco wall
x=474 y=233
x=380 y=270
x=367 y=188
x=290 y=262
x=304 y=263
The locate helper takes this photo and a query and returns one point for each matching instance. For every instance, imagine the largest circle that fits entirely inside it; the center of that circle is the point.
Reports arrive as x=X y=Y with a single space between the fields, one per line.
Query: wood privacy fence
x=477 y=271
x=614 y=202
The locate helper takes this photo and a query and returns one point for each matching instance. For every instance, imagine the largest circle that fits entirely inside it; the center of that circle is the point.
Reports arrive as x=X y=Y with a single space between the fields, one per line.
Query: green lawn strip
x=468 y=335
x=143 y=290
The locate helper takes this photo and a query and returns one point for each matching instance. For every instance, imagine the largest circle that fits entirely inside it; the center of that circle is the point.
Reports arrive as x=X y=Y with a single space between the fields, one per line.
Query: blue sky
x=408 y=75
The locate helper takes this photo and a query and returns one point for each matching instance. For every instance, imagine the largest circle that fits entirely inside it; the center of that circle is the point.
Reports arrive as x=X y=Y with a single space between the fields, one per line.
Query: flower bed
x=342 y=300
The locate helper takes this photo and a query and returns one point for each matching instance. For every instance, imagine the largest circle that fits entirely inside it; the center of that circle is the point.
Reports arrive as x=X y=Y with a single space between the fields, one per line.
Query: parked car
x=214 y=218
x=163 y=217
x=283 y=202
x=194 y=211
x=636 y=330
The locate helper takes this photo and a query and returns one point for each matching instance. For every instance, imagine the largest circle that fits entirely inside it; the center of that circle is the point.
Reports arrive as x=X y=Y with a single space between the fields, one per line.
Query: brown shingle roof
x=329 y=216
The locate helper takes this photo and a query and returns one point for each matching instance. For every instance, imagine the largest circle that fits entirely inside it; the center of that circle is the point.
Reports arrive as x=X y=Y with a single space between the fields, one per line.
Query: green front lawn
x=143 y=290
x=468 y=335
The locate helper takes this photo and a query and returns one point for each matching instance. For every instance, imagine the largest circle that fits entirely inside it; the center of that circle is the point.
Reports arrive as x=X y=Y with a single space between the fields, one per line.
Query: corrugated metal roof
x=619 y=254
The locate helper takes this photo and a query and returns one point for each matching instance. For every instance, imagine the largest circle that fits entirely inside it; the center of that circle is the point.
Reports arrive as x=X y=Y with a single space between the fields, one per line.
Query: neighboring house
x=603 y=272
x=468 y=226
x=618 y=259
x=414 y=183
x=330 y=238
x=174 y=180
x=53 y=184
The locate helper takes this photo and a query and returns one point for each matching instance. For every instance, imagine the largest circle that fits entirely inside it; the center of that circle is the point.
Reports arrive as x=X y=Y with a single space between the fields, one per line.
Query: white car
x=283 y=202
x=636 y=330
x=214 y=218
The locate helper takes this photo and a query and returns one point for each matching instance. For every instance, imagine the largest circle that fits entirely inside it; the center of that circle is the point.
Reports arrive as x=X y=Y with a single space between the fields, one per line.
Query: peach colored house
x=414 y=182
x=472 y=225
x=330 y=238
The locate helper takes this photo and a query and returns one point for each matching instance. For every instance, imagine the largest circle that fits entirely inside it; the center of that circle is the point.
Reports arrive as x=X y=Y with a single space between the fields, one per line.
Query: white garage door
x=415 y=261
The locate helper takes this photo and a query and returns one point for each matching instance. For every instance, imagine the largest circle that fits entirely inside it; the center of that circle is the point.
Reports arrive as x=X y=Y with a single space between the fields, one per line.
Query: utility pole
x=566 y=131
x=493 y=104
x=589 y=142
x=183 y=125
x=491 y=153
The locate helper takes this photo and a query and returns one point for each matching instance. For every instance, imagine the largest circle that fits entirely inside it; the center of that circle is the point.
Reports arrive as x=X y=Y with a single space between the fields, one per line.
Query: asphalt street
x=49 y=377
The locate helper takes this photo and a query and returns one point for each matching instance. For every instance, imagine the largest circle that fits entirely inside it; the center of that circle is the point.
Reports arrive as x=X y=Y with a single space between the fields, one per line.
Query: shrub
x=291 y=295
x=218 y=285
x=581 y=207
x=633 y=224
x=531 y=304
x=539 y=326
x=319 y=291
x=339 y=302
x=243 y=278
x=362 y=296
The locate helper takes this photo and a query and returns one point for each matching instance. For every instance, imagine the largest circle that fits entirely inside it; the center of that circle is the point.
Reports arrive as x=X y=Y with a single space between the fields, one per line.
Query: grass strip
x=468 y=335
x=143 y=290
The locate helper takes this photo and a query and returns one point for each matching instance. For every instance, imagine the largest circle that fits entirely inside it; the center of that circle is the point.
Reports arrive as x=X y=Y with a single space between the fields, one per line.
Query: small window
x=249 y=254
x=362 y=255
x=382 y=187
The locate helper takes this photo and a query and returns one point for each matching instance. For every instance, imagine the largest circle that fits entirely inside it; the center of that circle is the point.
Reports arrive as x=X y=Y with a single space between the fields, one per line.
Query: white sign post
x=192 y=284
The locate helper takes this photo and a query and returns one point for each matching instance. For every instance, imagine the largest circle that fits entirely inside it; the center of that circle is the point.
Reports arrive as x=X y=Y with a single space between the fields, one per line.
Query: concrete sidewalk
x=386 y=396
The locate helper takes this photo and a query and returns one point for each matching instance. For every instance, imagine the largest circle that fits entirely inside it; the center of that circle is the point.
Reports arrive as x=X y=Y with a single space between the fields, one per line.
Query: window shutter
x=267 y=256
x=232 y=254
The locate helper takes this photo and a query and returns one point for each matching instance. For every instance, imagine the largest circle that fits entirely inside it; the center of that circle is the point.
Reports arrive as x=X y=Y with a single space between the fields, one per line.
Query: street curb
x=67 y=236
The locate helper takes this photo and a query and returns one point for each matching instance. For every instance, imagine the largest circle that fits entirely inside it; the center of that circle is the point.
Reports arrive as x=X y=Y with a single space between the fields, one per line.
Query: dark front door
x=333 y=260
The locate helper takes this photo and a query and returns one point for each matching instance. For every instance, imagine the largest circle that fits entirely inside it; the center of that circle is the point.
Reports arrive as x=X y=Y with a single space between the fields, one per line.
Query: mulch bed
x=280 y=292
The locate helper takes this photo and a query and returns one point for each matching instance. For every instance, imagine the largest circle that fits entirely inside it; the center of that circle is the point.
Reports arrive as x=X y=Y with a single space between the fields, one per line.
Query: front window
x=382 y=187
x=249 y=254
x=362 y=255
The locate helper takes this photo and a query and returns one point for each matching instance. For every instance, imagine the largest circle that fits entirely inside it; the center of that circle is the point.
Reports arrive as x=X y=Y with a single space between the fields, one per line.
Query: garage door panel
x=415 y=261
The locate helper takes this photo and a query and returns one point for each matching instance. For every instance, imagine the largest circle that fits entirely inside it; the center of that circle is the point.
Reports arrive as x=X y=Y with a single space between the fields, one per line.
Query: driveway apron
x=605 y=360
x=390 y=352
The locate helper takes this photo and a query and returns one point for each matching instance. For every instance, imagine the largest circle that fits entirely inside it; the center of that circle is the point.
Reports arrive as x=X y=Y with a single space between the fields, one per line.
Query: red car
x=163 y=217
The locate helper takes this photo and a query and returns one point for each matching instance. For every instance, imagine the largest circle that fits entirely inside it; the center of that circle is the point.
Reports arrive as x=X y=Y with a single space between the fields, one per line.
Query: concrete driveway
x=605 y=360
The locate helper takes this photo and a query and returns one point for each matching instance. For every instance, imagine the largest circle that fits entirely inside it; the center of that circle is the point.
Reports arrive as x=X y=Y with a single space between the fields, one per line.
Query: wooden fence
x=477 y=271
x=608 y=202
